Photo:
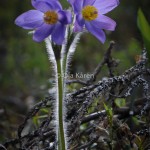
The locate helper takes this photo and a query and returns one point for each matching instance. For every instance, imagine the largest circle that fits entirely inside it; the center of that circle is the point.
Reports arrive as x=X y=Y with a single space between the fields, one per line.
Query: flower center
x=50 y=17
x=89 y=13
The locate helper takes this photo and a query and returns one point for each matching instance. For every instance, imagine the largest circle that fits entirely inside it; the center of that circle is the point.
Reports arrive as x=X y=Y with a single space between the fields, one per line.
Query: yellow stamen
x=50 y=17
x=89 y=13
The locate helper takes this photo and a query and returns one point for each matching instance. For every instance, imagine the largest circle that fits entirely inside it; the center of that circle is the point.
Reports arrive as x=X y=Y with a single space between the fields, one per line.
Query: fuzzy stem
x=59 y=105
x=61 y=133
x=61 y=65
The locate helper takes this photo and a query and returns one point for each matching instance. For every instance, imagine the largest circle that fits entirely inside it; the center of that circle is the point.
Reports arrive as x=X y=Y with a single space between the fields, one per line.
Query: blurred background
x=25 y=72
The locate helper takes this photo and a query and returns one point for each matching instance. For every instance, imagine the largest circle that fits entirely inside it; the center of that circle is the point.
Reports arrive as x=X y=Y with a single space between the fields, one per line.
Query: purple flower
x=90 y=14
x=47 y=19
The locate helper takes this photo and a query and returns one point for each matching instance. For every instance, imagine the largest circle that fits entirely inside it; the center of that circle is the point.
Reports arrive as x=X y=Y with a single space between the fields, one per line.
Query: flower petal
x=46 y=5
x=65 y=17
x=104 y=22
x=77 y=27
x=41 y=5
x=58 y=34
x=88 y=2
x=79 y=23
x=41 y=33
x=77 y=5
x=80 y=19
x=56 y=5
x=30 y=19
x=105 y=6
x=71 y=1
x=98 y=33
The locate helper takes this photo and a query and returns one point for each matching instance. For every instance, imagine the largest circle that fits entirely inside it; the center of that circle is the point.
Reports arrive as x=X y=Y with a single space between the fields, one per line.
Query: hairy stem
x=61 y=133
x=59 y=104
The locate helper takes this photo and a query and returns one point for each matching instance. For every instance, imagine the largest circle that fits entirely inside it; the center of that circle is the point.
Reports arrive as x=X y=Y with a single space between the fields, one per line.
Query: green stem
x=61 y=134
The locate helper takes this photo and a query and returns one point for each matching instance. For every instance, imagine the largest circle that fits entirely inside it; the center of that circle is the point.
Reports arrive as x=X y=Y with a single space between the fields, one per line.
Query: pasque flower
x=48 y=18
x=90 y=14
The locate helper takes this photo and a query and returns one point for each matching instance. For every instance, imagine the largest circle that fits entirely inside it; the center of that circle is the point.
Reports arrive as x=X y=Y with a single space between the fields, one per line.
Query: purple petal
x=42 y=6
x=105 y=6
x=88 y=2
x=79 y=23
x=55 y=4
x=65 y=17
x=46 y=5
x=58 y=34
x=77 y=5
x=98 y=33
x=104 y=22
x=71 y=1
x=43 y=32
x=77 y=27
x=80 y=20
x=30 y=19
